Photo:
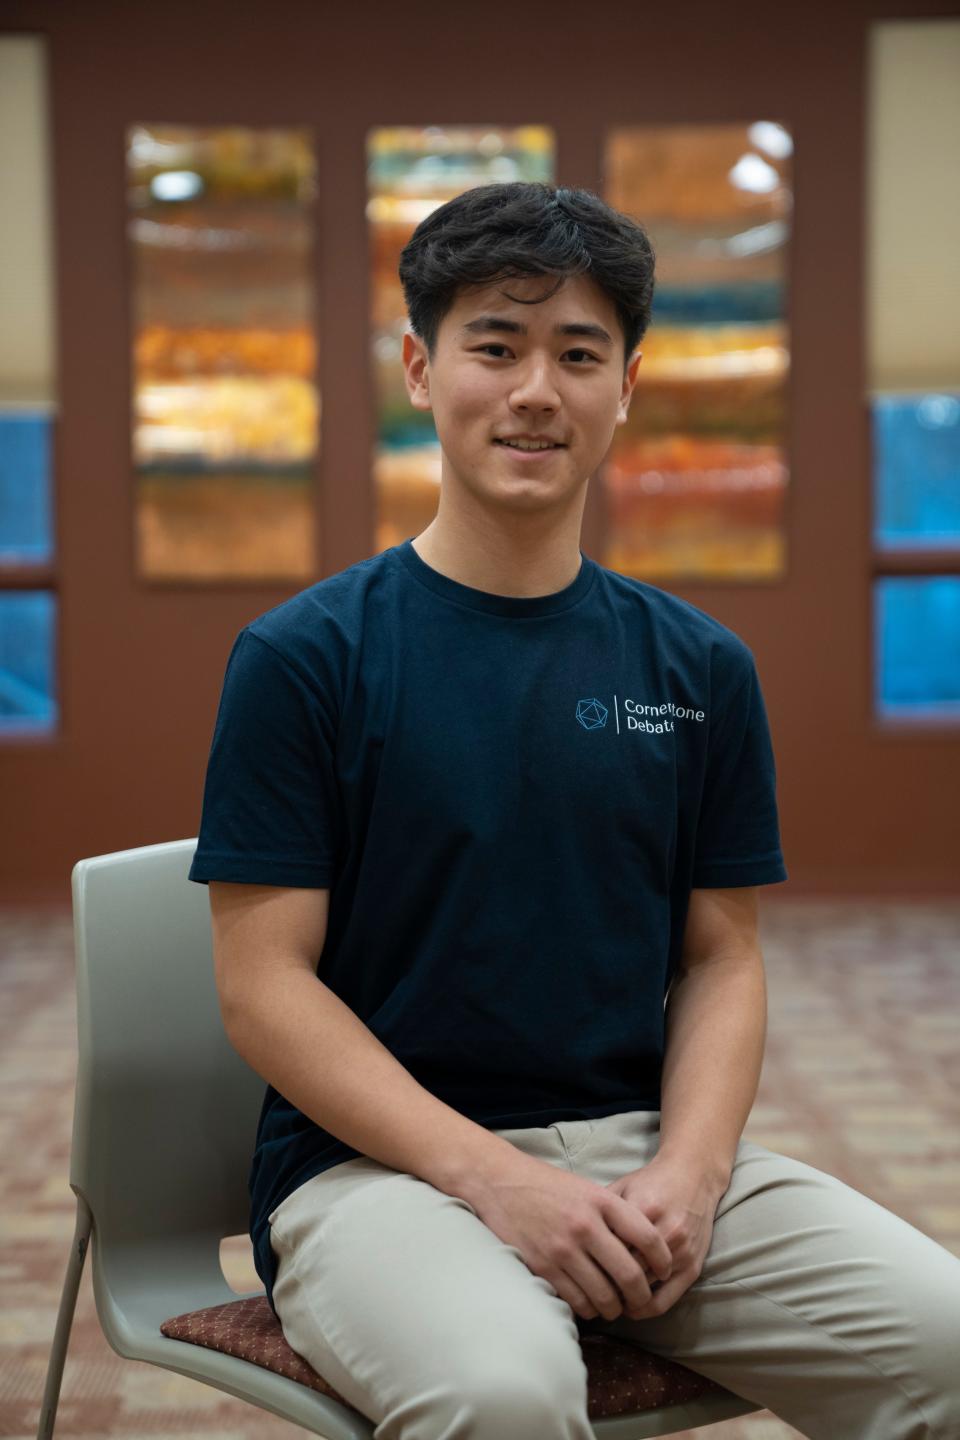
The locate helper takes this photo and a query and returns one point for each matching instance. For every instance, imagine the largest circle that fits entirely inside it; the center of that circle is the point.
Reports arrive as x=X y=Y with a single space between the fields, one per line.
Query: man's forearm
x=716 y=1023
x=312 y=1048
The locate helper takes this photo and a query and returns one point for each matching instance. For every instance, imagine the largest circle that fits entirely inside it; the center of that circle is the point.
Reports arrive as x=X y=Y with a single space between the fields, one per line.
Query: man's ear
x=629 y=381
x=416 y=371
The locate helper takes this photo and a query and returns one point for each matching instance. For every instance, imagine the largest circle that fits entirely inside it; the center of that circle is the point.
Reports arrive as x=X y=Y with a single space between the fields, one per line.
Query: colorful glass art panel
x=410 y=172
x=225 y=401
x=695 y=481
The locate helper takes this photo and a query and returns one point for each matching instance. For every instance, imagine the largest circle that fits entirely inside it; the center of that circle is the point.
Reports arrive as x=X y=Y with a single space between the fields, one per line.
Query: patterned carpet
x=861 y=1078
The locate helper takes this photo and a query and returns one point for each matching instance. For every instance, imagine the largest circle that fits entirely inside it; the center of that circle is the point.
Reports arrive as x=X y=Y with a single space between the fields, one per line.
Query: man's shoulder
x=316 y=630
x=336 y=602
x=678 y=622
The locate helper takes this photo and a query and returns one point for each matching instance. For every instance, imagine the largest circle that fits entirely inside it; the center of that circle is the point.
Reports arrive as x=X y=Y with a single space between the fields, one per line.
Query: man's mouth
x=528 y=446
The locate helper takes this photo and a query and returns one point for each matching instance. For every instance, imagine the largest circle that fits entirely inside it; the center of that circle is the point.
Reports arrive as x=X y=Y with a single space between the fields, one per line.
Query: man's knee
x=525 y=1404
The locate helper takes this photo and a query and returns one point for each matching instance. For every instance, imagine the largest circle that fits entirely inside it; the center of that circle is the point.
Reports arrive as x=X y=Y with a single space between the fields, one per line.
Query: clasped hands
x=682 y=1203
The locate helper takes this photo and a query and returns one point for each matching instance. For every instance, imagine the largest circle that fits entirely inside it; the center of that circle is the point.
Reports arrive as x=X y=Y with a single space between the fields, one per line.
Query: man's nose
x=536 y=385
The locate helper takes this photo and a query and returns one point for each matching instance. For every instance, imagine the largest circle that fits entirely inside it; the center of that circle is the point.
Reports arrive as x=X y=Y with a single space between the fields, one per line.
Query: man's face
x=488 y=383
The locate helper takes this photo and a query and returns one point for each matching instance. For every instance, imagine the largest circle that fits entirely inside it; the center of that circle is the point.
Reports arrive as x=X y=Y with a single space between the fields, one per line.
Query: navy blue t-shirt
x=509 y=800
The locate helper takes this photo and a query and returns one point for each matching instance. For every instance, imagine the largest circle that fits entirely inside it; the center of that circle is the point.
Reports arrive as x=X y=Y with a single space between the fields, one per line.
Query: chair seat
x=621 y=1377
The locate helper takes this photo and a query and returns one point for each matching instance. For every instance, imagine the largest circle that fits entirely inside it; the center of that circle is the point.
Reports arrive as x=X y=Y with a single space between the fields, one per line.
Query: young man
x=483 y=826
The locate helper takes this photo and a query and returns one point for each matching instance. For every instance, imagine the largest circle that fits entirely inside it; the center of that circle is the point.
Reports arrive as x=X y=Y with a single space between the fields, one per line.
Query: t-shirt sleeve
x=738 y=833
x=270 y=802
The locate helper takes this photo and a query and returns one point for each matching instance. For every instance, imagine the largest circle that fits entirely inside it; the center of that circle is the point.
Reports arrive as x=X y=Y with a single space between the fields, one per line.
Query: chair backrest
x=166 y=1110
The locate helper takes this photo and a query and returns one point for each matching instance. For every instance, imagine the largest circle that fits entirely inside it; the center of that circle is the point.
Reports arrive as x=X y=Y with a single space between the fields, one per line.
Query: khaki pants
x=814 y=1302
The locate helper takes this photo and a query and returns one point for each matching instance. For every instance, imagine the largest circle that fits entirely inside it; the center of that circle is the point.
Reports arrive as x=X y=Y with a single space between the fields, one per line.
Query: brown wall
x=140 y=667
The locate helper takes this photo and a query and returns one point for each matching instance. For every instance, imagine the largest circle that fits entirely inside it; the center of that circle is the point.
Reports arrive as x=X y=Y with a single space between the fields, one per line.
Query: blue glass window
x=917 y=646
x=25 y=509
x=916 y=463
x=28 y=620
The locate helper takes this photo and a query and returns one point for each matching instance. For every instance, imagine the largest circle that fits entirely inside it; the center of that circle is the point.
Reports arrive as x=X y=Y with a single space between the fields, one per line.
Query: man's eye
x=569 y=352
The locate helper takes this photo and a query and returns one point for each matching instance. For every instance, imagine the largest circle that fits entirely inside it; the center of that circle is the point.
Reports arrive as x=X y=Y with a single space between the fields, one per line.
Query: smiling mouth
x=530 y=450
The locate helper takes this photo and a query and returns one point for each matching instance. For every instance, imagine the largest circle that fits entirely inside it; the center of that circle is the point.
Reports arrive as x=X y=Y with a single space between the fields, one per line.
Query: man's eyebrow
x=484 y=323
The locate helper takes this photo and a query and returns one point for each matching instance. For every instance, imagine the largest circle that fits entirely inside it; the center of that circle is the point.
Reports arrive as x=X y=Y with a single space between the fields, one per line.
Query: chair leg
x=68 y=1304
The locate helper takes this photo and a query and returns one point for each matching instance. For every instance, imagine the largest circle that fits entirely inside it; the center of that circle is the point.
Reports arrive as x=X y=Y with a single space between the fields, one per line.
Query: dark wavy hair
x=520 y=228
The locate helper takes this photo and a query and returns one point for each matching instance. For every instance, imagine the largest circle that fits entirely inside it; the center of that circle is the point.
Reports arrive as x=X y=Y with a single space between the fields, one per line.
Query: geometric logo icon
x=592 y=714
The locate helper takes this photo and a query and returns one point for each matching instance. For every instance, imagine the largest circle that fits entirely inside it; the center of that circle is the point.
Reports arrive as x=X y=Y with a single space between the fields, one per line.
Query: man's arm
x=312 y=1048
x=716 y=1020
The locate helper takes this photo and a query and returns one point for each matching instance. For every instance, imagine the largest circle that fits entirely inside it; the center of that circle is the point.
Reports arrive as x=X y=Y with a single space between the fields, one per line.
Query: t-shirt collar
x=520 y=606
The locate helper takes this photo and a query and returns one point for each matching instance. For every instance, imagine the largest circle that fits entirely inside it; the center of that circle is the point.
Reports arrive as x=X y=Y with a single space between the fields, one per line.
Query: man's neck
x=501 y=564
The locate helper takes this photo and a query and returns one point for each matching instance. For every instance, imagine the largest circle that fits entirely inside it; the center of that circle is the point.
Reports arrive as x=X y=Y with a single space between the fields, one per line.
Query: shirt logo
x=592 y=714
x=650 y=719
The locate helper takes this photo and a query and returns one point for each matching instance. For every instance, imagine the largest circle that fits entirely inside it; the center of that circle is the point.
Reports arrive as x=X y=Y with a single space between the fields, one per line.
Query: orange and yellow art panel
x=695 y=482
x=410 y=172
x=226 y=411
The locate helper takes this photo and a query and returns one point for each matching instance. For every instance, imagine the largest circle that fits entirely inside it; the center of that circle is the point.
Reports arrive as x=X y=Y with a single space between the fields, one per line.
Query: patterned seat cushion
x=621 y=1378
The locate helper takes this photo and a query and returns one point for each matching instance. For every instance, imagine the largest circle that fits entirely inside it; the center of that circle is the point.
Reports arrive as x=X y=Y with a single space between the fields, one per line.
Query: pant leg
x=419 y=1315
x=814 y=1301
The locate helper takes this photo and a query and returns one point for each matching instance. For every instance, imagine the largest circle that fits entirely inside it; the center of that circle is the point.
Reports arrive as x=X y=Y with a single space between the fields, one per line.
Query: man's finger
x=663 y=1295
